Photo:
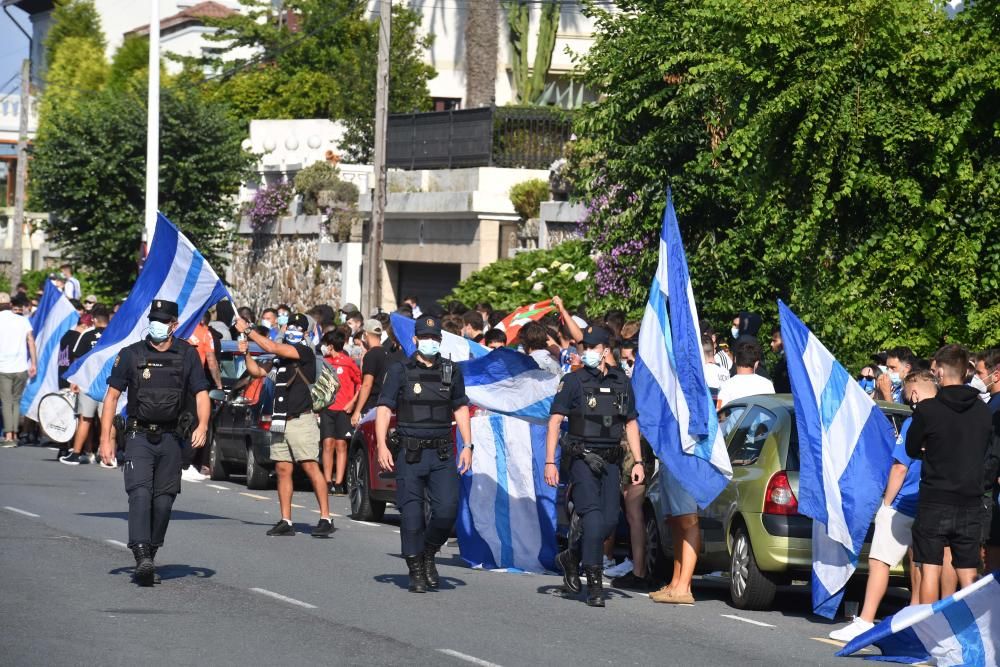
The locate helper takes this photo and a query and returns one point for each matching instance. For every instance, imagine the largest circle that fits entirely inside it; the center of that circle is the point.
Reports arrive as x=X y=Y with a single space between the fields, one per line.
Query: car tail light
x=265 y=422
x=779 y=499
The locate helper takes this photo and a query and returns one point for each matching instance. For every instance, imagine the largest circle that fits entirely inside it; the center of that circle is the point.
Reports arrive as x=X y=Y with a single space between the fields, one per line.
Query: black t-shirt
x=89 y=340
x=375 y=363
x=296 y=397
x=69 y=341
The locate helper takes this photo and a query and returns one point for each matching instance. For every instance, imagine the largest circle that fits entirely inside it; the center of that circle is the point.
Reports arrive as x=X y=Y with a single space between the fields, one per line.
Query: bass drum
x=57 y=416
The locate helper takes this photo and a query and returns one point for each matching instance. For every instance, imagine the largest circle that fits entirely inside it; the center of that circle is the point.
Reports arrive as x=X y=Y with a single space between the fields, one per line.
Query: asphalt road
x=233 y=596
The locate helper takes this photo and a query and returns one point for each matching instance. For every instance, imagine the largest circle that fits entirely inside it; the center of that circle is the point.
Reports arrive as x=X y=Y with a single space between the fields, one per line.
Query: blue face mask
x=282 y=320
x=428 y=347
x=293 y=337
x=159 y=331
x=868 y=384
x=591 y=358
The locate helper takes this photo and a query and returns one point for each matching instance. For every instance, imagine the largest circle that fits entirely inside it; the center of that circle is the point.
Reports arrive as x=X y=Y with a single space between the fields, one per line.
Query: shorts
x=676 y=500
x=335 y=424
x=938 y=526
x=86 y=407
x=648 y=463
x=893 y=536
x=301 y=441
x=991 y=522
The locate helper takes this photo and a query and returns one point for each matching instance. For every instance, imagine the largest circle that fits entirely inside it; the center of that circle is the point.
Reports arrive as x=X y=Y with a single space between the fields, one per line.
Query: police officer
x=599 y=403
x=158 y=373
x=426 y=391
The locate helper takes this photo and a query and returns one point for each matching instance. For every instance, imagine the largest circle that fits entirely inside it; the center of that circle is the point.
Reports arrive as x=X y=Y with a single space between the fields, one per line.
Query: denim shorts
x=938 y=526
x=676 y=501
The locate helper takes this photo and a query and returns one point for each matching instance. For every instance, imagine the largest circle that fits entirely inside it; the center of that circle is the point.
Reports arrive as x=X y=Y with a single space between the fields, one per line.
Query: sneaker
x=72 y=459
x=619 y=570
x=9 y=444
x=323 y=529
x=339 y=489
x=854 y=629
x=63 y=451
x=84 y=459
x=631 y=581
x=111 y=466
x=189 y=474
x=609 y=563
x=282 y=529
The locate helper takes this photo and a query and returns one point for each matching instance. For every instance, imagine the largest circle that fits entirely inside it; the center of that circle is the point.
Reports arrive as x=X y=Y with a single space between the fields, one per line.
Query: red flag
x=532 y=313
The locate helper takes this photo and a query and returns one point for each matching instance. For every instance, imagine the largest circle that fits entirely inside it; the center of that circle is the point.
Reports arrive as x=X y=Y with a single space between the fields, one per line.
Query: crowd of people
x=939 y=508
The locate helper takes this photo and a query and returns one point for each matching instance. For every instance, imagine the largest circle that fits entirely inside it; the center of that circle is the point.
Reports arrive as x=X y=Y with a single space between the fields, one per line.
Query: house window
x=447 y=103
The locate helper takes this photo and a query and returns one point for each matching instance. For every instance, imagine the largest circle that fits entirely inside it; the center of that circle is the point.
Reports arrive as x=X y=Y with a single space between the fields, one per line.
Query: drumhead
x=57 y=416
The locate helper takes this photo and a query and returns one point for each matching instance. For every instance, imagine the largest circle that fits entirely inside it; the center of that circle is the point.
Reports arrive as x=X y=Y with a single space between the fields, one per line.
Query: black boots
x=145 y=570
x=430 y=569
x=418 y=573
x=152 y=555
x=595 y=585
x=569 y=562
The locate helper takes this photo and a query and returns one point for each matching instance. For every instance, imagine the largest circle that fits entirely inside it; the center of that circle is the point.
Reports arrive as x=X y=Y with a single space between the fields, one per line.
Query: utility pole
x=153 y=127
x=374 y=258
x=16 y=252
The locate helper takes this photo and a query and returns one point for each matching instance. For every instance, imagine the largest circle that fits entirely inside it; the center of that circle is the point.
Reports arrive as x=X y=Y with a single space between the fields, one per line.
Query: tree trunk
x=481 y=48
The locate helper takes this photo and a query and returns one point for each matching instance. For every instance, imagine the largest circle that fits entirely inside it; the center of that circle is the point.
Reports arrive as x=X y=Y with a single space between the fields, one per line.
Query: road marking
x=314 y=511
x=834 y=642
x=396 y=530
x=747 y=620
x=468 y=658
x=365 y=523
x=254 y=496
x=283 y=598
x=298 y=507
x=116 y=543
x=22 y=512
x=218 y=486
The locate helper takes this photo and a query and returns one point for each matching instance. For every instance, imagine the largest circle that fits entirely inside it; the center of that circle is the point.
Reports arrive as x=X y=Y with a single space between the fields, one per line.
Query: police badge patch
x=592 y=402
x=417 y=388
x=117 y=359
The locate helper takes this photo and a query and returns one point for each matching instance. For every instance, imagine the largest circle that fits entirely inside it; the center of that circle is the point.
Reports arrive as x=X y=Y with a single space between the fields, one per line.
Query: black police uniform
x=158 y=384
x=598 y=407
x=424 y=399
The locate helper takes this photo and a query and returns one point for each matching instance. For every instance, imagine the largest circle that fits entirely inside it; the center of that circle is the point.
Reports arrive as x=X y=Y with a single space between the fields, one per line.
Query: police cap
x=162 y=310
x=427 y=326
x=594 y=335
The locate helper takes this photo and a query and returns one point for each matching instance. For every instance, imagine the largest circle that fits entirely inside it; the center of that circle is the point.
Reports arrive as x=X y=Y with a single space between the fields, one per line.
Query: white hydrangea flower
x=555 y=264
x=541 y=270
x=538 y=287
x=580 y=277
x=566 y=267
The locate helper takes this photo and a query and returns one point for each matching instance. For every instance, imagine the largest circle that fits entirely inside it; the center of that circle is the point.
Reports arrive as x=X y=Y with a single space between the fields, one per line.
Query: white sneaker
x=857 y=627
x=619 y=570
x=112 y=465
x=189 y=474
x=608 y=562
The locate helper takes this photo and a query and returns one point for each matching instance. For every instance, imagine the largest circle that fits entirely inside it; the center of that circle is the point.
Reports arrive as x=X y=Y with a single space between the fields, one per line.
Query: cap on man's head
x=299 y=321
x=594 y=335
x=373 y=327
x=162 y=310
x=56 y=277
x=427 y=326
x=91 y=298
x=349 y=308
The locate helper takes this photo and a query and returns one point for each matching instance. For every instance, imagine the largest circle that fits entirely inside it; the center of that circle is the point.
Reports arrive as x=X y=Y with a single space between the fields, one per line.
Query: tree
x=839 y=155
x=89 y=168
x=130 y=63
x=481 y=49
x=73 y=18
x=78 y=70
x=529 y=81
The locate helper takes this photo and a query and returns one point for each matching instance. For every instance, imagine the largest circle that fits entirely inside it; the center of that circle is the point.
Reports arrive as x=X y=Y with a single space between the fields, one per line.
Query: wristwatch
x=471 y=447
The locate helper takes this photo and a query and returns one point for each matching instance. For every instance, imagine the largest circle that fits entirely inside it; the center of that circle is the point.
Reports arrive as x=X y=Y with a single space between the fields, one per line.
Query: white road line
x=747 y=620
x=116 y=543
x=283 y=598
x=254 y=496
x=298 y=507
x=22 y=512
x=468 y=658
x=217 y=486
x=364 y=523
x=834 y=642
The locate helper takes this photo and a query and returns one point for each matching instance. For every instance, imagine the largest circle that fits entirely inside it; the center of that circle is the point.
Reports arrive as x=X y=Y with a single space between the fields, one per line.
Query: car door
x=711 y=518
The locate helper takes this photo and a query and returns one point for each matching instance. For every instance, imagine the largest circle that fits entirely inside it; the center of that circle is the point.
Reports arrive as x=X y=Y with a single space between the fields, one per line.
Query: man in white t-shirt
x=715 y=375
x=746 y=382
x=18 y=362
x=71 y=286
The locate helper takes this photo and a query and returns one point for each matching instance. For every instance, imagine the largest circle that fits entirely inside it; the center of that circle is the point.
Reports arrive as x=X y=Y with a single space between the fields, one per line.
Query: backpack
x=324 y=390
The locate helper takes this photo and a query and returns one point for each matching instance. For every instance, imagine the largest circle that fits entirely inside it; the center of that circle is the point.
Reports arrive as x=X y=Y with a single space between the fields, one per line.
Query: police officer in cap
x=426 y=392
x=159 y=373
x=600 y=405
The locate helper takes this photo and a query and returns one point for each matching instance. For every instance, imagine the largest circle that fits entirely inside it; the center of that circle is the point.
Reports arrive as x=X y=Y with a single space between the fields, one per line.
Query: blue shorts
x=676 y=500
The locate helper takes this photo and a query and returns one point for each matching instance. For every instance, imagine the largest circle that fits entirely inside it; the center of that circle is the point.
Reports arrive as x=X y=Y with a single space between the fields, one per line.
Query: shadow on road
x=176 y=515
x=172 y=571
x=403 y=581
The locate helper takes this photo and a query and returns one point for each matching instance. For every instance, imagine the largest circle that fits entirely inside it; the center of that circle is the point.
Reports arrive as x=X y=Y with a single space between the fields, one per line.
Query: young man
x=715 y=375
x=745 y=381
x=293 y=416
x=894 y=521
x=899 y=364
x=335 y=422
x=71 y=286
x=18 y=362
x=779 y=374
x=472 y=326
x=951 y=433
x=373 y=368
x=86 y=407
x=988 y=370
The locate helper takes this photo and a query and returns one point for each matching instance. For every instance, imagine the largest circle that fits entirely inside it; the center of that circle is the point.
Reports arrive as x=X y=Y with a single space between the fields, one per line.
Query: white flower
x=540 y=270
x=566 y=267
x=538 y=287
x=580 y=277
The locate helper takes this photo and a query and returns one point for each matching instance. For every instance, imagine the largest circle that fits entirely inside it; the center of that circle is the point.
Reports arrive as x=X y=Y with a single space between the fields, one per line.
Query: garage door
x=429 y=282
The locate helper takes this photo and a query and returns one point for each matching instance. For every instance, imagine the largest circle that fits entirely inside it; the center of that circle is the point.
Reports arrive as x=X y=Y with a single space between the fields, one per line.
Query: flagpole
x=153 y=126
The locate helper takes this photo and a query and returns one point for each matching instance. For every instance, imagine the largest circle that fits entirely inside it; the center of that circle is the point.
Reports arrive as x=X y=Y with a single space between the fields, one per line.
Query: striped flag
x=456 y=348
x=531 y=313
x=54 y=317
x=961 y=630
x=510 y=383
x=845 y=452
x=676 y=411
x=173 y=271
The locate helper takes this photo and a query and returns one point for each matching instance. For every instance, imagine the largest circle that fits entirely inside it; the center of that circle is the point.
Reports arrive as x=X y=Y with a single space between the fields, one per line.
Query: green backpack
x=324 y=390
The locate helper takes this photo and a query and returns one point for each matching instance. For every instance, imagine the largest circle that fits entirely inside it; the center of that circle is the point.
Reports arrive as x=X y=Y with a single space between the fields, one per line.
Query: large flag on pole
x=961 y=630
x=845 y=452
x=676 y=411
x=54 y=317
x=173 y=271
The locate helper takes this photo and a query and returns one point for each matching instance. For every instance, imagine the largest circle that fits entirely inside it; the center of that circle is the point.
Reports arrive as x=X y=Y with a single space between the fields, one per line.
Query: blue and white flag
x=510 y=383
x=845 y=452
x=174 y=271
x=456 y=348
x=507 y=513
x=961 y=630
x=54 y=317
x=676 y=411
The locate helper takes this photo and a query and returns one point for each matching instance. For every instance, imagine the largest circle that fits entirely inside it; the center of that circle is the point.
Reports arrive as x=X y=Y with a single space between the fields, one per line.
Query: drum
x=57 y=416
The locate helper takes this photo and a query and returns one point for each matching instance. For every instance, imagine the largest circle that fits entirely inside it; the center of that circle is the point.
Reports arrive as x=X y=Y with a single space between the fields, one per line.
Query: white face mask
x=159 y=331
x=735 y=331
x=980 y=386
x=591 y=358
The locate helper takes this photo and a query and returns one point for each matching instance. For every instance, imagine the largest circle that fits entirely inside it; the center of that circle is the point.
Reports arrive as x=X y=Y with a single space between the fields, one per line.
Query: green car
x=753 y=530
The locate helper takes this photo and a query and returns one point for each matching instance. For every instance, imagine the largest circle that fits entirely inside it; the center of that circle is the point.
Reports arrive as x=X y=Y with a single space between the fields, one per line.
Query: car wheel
x=749 y=588
x=215 y=466
x=656 y=560
x=257 y=476
x=363 y=508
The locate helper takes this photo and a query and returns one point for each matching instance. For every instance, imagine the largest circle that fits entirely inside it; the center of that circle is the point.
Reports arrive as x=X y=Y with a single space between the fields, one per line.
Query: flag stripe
x=502 y=503
x=53 y=318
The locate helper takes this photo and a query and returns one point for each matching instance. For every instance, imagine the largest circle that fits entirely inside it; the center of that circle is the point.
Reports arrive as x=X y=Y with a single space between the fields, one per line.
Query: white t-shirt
x=741 y=386
x=13 y=342
x=72 y=288
x=715 y=375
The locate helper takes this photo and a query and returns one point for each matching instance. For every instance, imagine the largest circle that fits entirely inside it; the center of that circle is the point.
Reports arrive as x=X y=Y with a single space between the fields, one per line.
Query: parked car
x=240 y=438
x=753 y=530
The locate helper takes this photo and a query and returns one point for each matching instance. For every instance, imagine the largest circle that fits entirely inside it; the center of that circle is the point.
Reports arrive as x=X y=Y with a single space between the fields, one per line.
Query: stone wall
x=267 y=270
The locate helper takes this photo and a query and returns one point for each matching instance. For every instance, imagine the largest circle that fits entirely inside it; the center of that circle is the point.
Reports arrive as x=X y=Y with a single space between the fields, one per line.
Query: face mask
x=323 y=349
x=591 y=358
x=735 y=332
x=159 y=331
x=293 y=337
x=867 y=384
x=282 y=320
x=428 y=347
x=267 y=324
x=627 y=367
x=894 y=377
x=980 y=386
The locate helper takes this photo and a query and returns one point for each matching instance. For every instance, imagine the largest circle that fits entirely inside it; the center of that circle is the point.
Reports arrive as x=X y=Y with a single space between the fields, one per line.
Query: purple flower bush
x=269 y=202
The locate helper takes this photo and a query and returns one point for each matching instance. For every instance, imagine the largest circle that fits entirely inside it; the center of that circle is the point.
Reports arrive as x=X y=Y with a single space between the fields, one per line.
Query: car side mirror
x=217 y=395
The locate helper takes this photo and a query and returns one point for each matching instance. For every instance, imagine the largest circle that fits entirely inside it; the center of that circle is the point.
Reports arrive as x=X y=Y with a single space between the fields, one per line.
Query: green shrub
x=566 y=271
x=311 y=181
x=527 y=197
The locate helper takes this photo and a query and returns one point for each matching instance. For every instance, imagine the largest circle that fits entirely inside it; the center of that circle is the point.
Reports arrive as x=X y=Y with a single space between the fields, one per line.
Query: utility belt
x=414 y=446
x=597 y=457
x=154 y=432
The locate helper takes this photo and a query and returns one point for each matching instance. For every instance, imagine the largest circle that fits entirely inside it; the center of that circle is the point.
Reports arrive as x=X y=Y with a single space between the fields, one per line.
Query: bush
x=566 y=271
x=312 y=180
x=527 y=197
